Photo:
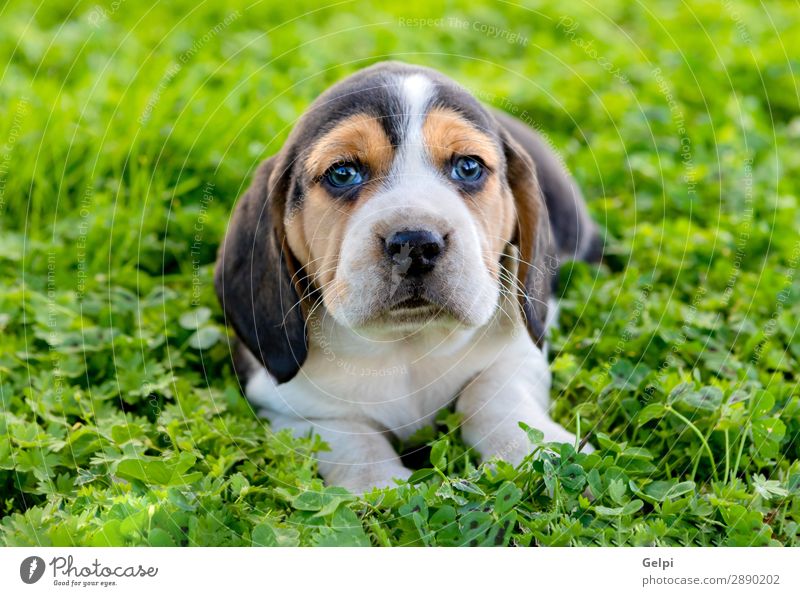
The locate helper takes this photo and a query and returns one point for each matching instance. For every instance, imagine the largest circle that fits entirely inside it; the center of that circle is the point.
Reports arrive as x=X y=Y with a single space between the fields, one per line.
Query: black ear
x=537 y=264
x=254 y=277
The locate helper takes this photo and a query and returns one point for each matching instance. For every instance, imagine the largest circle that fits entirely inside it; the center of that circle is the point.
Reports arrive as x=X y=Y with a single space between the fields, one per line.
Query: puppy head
x=397 y=202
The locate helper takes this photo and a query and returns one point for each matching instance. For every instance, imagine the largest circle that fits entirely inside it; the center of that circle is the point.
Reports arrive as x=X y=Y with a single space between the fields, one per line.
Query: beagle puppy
x=397 y=256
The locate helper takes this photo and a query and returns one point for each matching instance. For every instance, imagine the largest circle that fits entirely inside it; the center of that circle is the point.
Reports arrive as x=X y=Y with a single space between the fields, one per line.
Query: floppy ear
x=537 y=265
x=254 y=277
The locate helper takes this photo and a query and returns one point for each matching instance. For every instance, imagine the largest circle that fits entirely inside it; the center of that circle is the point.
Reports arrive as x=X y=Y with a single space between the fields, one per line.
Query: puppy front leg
x=360 y=456
x=510 y=391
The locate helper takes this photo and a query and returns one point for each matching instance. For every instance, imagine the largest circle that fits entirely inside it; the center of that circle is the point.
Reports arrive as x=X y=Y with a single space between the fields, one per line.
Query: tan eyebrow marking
x=446 y=133
x=359 y=137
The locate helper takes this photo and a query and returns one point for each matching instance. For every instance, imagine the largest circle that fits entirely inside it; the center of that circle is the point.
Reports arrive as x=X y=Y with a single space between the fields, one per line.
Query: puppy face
x=400 y=211
x=397 y=202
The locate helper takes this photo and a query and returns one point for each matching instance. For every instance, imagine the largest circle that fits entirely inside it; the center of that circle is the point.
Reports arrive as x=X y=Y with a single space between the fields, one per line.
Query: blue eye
x=466 y=169
x=344 y=175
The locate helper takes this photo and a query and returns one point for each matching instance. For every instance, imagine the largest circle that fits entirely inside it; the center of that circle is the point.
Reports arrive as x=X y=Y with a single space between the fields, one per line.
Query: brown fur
x=316 y=231
x=533 y=240
x=359 y=137
x=446 y=134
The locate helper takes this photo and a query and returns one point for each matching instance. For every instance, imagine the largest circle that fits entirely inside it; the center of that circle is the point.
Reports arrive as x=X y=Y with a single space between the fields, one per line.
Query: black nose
x=414 y=252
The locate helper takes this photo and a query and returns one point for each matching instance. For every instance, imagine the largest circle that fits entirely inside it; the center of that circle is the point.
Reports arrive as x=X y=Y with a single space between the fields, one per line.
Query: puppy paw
x=515 y=448
x=555 y=433
x=366 y=480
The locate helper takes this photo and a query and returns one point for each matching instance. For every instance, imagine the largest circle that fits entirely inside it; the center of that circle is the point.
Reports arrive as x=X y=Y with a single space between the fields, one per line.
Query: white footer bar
x=406 y=572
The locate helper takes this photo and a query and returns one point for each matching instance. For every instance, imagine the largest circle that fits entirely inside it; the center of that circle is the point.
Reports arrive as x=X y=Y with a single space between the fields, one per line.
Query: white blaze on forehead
x=416 y=91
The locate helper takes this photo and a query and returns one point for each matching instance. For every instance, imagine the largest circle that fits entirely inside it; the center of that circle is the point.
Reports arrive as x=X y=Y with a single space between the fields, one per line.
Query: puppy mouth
x=413 y=310
x=412 y=304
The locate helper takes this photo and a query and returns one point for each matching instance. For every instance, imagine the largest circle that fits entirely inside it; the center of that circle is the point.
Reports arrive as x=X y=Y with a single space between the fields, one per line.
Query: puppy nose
x=414 y=252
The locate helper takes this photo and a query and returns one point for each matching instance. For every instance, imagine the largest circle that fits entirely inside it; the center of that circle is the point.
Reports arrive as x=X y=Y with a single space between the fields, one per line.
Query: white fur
x=357 y=392
x=415 y=93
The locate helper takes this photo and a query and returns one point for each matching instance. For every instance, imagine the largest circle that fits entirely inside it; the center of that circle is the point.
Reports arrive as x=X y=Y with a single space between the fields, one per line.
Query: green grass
x=128 y=131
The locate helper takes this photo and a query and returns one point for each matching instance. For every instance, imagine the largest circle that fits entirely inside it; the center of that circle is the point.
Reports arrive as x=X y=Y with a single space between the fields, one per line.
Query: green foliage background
x=129 y=130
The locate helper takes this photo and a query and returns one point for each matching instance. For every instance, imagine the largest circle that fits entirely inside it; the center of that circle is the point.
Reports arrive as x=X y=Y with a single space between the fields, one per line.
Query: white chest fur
x=396 y=383
x=354 y=391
